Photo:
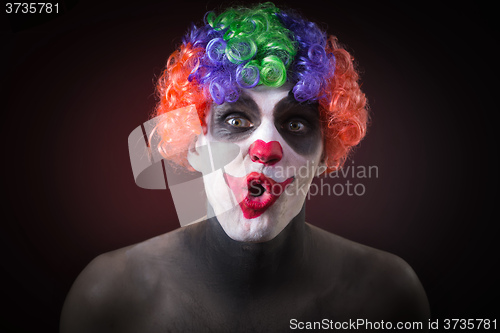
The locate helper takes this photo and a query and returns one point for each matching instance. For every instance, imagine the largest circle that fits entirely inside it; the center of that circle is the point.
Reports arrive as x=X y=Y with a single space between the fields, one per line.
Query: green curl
x=273 y=71
x=223 y=21
x=240 y=49
x=257 y=35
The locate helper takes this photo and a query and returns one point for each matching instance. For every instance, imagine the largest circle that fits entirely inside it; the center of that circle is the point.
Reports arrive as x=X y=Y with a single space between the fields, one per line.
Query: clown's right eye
x=239 y=122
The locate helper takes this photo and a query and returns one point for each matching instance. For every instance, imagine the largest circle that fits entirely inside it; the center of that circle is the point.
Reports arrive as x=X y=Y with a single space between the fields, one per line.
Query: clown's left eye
x=295 y=126
x=238 y=122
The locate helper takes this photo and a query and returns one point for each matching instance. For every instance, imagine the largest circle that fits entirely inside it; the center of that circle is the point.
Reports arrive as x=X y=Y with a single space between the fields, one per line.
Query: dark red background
x=75 y=85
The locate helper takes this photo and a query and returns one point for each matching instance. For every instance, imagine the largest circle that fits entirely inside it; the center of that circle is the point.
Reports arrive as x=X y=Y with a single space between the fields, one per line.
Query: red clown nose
x=268 y=153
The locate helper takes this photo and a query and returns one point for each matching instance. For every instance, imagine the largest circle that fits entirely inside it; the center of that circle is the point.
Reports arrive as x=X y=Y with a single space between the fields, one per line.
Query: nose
x=268 y=153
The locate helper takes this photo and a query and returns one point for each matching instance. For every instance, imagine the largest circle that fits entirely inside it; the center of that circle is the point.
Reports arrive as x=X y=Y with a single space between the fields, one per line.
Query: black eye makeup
x=295 y=126
x=298 y=123
x=238 y=121
x=234 y=121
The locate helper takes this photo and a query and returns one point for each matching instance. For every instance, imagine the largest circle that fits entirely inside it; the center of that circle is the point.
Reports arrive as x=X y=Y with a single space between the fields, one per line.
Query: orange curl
x=175 y=91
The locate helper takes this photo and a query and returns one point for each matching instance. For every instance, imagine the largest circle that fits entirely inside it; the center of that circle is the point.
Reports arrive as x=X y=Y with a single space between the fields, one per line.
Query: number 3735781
x=470 y=324
x=31 y=8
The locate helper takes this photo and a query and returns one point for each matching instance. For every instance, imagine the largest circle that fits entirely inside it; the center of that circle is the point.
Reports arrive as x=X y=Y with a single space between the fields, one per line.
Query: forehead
x=267 y=97
x=263 y=101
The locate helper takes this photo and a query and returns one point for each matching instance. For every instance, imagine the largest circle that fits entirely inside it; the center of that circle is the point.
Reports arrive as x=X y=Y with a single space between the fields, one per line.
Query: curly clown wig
x=262 y=45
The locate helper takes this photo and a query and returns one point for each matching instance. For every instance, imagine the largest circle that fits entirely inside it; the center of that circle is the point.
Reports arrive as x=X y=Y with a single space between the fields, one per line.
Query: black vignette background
x=75 y=84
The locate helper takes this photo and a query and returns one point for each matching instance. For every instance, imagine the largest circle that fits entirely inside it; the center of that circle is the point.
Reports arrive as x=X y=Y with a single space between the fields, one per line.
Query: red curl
x=343 y=109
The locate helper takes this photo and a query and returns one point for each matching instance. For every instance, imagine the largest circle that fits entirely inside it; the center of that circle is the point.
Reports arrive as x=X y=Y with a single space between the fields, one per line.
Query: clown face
x=258 y=193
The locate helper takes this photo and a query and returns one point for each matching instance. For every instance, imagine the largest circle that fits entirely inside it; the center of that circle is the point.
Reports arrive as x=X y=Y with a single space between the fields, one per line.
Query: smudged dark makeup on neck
x=288 y=115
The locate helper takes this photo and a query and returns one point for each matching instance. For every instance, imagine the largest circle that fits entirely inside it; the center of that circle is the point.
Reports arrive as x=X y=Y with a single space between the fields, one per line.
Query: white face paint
x=258 y=193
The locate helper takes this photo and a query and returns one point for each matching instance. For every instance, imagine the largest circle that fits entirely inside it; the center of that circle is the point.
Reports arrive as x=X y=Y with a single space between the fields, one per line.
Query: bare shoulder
x=117 y=284
x=372 y=283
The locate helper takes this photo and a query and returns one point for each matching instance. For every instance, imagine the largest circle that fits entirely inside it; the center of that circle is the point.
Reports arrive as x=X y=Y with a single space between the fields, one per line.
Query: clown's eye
x=239 y=122
x=295 y=126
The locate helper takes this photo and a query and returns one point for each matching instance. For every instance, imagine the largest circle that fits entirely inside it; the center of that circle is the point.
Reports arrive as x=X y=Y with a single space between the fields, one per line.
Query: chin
x=242 y=226
x=256 y=230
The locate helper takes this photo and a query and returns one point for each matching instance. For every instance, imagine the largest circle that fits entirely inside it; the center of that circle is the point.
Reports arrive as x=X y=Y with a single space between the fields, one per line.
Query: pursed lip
x=255 y=192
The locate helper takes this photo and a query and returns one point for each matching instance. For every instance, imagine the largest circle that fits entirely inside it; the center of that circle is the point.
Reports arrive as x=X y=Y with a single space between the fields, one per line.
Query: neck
x=255 y=266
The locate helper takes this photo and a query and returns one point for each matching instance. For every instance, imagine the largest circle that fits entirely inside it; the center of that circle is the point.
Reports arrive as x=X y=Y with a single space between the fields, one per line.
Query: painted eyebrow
x=247 y=101
x=289 y=102
x=244 y=101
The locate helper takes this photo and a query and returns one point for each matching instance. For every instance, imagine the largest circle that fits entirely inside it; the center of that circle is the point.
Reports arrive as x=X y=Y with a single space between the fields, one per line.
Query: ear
x=322 y=167
x=207 y=156
x=195 y=156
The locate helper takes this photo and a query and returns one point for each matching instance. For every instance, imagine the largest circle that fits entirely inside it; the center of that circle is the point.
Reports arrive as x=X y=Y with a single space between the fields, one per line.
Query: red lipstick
x=255 y=192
